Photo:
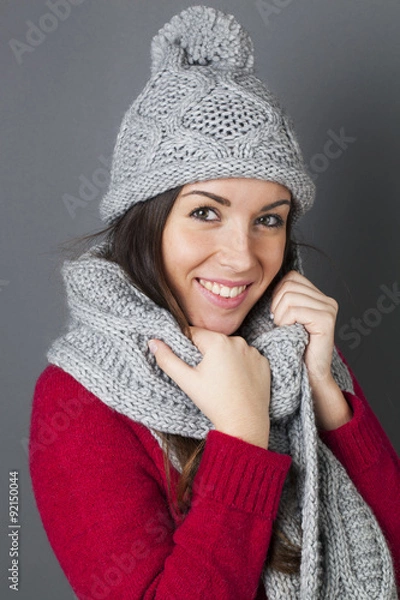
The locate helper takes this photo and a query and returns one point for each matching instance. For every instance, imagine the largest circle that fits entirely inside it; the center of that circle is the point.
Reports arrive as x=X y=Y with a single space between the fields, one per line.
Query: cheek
x=280 y=250
x=181 y=252
x=273 y=254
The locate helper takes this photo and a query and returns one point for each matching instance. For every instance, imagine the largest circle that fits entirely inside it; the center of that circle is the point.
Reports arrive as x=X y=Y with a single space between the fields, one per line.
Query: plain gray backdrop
x=66 y=82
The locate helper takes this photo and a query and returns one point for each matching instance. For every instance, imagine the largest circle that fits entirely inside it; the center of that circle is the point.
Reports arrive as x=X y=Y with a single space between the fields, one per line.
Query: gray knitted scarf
x=344 y=553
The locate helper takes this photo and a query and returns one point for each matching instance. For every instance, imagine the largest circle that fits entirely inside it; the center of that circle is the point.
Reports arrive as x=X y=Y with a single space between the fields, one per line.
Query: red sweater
x=98 y=479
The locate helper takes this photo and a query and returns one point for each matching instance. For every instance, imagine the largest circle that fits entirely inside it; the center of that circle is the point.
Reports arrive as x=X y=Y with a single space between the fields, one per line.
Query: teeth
x=225 y=292
x=222 y=290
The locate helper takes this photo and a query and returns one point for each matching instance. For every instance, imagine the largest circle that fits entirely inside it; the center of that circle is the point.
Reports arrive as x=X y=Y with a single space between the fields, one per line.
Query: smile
x=222 y=290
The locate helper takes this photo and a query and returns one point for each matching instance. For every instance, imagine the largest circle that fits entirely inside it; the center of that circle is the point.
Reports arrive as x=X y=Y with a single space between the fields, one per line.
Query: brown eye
x=277 y=221
x=202 y=213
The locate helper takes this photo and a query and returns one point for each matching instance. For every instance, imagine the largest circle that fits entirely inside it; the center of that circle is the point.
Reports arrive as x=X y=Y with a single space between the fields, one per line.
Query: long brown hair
x=134 y=243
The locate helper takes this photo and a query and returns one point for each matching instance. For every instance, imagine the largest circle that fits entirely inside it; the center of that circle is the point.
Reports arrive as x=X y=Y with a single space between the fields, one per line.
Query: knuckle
x=335 y=304
x=286 y=296
x=332 y=301
x=221 y=339
x=284 y=287
x=240 y=342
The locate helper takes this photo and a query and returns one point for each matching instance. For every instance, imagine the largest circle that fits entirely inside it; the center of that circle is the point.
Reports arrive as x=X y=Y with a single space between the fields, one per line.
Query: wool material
x=203 y=114
x=344 y=552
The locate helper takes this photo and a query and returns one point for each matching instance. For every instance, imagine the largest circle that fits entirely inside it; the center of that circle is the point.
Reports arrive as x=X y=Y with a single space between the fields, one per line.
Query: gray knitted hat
x=203 y=115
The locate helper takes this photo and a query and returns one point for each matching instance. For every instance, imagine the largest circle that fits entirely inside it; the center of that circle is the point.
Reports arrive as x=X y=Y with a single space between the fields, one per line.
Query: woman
x=197 y=433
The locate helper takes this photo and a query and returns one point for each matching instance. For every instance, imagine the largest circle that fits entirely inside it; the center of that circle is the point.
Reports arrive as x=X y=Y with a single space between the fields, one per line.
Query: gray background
x=334 y=65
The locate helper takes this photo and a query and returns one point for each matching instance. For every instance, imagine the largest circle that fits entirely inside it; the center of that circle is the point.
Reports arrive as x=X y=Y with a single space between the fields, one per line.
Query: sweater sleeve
x=102 y=501
x=367 y=454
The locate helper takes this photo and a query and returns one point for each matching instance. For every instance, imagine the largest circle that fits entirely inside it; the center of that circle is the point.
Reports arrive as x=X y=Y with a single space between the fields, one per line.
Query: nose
x=236 y=251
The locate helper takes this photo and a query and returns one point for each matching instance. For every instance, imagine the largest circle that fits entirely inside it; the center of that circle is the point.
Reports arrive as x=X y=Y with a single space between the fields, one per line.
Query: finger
x=172 y=365
x=304 y=293
x=204 y=338
x=298 y=290
x=316 y=321
x=295 y=277
x=293 y=305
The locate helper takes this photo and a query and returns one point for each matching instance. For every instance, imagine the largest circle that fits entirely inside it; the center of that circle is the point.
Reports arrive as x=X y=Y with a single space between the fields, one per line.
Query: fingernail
x=152 y=346
x=271 y=316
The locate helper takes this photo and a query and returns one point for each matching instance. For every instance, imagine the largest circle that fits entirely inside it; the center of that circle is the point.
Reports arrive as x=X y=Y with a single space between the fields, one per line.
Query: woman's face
x=222 y=245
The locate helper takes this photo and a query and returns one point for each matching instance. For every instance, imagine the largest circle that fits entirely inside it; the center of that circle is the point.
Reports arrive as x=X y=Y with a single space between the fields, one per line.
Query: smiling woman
x=220 y=258
x=214 y=452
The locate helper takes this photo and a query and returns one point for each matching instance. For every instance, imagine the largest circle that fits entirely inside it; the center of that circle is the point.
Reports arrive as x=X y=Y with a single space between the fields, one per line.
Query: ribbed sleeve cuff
x=240 y=474
x=358 y=443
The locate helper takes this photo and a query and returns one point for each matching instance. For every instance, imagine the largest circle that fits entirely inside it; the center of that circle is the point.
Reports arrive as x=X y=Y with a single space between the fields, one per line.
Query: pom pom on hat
x=203 y=36
x=203 y=115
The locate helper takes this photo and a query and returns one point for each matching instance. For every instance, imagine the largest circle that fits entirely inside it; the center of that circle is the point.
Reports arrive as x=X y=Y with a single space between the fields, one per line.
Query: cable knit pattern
x=344 y=552
x=203 y=115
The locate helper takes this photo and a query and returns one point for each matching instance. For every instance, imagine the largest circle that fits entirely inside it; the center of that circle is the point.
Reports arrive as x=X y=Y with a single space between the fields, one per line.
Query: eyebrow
x=226 y=202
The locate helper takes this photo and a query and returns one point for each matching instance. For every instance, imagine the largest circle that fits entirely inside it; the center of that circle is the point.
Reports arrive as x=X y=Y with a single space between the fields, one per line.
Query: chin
x=224 y=325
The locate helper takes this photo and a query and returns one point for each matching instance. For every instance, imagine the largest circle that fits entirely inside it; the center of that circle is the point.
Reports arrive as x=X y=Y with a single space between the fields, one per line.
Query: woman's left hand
x=296 y=300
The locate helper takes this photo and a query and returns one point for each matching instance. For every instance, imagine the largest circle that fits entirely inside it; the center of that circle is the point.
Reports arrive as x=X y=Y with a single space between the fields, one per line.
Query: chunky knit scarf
x=344 y=553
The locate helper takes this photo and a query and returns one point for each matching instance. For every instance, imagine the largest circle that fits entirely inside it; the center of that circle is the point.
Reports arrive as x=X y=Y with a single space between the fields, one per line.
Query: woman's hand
x=296 y=299
x=231 y=385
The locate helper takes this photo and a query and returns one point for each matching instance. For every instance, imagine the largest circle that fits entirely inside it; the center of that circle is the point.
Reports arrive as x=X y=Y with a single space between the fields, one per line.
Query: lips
x=222 y=290
x=222 y=295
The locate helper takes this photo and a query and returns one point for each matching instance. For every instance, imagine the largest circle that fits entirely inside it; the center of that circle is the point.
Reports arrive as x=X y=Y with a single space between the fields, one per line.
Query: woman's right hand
x=231 y=385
